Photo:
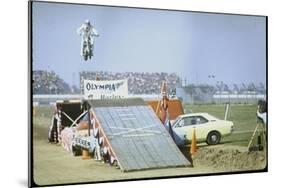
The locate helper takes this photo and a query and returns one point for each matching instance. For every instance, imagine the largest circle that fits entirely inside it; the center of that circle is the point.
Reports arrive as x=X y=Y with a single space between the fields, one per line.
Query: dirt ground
x=54 y=165
x=61 y=167
x=230 y=158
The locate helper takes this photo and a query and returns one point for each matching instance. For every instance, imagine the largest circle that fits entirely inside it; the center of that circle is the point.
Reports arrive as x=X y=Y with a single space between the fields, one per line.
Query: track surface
x=53 y=165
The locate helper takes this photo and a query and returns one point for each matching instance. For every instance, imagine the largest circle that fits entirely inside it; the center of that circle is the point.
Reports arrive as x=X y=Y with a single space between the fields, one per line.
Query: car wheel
x=213 y=138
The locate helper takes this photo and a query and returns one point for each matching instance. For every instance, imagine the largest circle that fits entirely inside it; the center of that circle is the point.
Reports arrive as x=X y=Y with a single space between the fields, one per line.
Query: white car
x=207 y=127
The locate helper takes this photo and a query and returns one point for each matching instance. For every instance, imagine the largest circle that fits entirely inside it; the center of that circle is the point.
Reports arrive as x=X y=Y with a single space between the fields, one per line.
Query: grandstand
x=49 y=87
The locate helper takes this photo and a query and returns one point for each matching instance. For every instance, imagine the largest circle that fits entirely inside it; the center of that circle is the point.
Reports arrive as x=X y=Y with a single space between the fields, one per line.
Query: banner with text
x=110 y=89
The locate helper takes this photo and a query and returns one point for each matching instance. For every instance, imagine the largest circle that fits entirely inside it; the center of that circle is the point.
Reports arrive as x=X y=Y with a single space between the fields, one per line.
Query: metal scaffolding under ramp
x=134 y=135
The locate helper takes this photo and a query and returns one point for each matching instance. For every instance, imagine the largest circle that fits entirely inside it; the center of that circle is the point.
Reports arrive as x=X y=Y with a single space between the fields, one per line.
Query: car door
x=184 y=127
x=200 y=124
x=181 y=128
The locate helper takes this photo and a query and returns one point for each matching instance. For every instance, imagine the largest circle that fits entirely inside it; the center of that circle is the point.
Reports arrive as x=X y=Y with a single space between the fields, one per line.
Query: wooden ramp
x=174 y=107
x=136 y=137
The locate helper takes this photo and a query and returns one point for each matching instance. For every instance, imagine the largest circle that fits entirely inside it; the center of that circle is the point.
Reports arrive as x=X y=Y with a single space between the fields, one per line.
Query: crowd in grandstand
x=48 y=82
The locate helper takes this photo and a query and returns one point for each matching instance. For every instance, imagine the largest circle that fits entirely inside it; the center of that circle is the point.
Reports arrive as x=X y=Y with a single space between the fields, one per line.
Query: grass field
x=243 y=117
x=53 y=165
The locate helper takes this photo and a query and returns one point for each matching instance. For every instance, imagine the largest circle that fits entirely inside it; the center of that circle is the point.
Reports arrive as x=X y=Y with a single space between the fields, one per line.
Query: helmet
x=87 y=22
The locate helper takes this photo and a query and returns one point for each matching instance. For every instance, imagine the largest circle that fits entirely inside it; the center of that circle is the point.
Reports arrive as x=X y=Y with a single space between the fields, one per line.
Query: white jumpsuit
x=87 y=31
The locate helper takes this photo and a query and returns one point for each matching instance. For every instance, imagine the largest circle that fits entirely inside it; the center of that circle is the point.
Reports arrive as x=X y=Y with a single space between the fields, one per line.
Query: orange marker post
x=193 y=147
x=85 y=154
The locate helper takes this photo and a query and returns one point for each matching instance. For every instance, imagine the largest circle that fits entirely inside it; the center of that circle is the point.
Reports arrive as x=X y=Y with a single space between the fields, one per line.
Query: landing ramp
x=137 y=137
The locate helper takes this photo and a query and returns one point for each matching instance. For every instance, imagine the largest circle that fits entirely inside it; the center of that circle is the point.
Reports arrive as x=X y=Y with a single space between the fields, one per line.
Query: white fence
x=51 y=99
x=217 y=98
x=237 y=98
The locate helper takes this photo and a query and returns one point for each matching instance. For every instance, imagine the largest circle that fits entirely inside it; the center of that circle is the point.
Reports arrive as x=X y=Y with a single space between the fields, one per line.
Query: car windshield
x=176 y=120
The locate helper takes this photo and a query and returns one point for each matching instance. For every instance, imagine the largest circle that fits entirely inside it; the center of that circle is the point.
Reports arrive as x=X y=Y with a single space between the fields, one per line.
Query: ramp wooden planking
x=138 y=138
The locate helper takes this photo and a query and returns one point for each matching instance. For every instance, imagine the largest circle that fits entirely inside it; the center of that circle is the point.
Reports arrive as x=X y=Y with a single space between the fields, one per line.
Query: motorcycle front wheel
x=86 y=57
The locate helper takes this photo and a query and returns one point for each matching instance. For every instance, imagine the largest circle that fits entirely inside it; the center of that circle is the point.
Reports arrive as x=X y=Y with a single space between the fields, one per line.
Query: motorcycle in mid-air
x=88 y=32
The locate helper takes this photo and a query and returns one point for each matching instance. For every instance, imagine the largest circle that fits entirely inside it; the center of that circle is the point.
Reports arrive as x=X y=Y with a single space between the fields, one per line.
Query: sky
x=192 y=45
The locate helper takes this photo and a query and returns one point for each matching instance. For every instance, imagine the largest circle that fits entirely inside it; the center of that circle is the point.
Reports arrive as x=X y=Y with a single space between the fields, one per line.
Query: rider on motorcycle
x=87 y=31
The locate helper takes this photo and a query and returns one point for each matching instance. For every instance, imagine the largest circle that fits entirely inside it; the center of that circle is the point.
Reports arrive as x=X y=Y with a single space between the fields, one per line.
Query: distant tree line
x=45 y=82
